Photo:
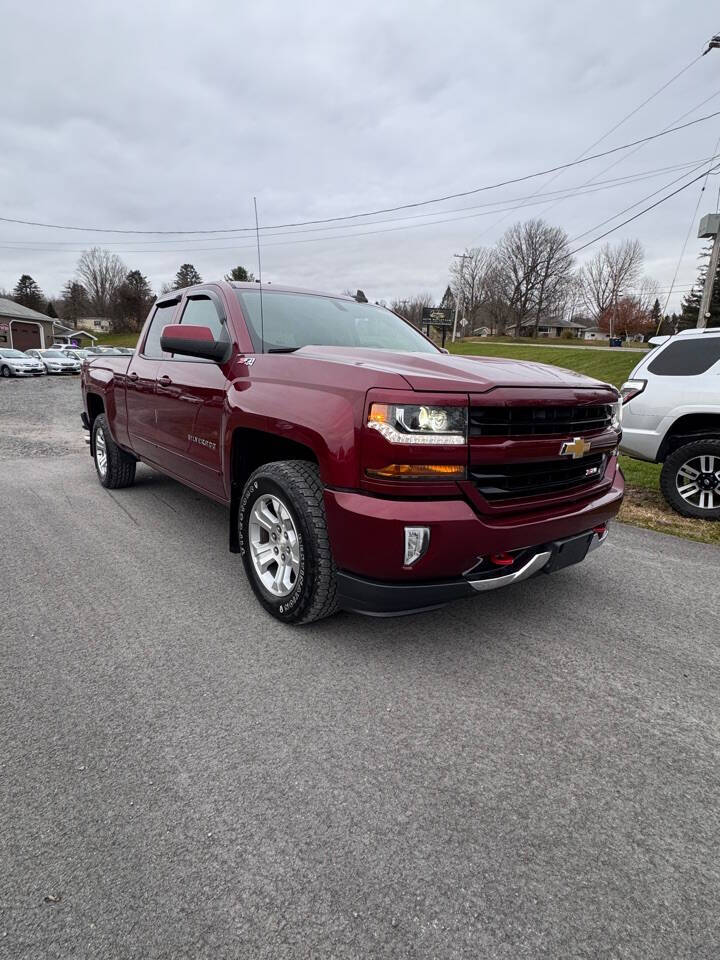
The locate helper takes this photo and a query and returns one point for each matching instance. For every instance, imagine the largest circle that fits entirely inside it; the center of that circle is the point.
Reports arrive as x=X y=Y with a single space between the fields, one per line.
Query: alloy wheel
x=274 y=545
x=101 y=453
x=698 y=481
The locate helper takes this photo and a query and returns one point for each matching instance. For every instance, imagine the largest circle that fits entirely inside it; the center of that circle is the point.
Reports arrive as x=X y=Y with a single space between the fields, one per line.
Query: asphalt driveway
x=533 y=773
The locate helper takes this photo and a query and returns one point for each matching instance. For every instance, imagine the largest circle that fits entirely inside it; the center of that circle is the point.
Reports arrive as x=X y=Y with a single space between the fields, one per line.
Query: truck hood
x=450 y=372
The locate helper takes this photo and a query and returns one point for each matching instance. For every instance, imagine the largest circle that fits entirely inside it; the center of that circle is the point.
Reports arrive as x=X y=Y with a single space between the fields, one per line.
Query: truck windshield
x=293 y=320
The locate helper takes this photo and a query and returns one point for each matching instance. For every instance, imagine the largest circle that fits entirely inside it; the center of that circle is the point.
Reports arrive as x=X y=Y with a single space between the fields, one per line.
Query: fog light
x=417 y=540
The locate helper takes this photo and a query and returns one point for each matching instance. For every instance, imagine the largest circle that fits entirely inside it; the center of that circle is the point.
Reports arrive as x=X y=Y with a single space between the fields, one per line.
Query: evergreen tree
x=186 y=276
x=240 y=274
x=50 y=310
x=691 y=303
x=75 y=301
x=28 y=293
x=132 y=302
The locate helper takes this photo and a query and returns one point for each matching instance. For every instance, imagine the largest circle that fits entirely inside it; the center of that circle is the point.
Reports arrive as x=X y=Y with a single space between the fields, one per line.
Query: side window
x=161 y=318
x=686 y=358
x=201 y=312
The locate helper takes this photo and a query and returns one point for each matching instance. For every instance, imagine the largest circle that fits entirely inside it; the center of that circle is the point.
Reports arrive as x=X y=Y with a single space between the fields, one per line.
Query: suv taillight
x=631 y=388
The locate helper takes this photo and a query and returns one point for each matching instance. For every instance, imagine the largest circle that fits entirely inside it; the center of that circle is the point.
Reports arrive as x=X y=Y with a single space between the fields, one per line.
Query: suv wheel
x=690 y=479
x=115 y=468
x=284 y=542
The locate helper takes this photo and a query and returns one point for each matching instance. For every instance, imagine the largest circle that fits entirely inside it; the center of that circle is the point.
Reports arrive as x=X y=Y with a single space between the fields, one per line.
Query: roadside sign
x=437 y=317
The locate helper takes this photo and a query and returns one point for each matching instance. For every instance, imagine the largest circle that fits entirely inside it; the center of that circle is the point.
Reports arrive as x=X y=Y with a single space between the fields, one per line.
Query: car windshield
x=52 y=353
x=293 y=320
x=13 y=354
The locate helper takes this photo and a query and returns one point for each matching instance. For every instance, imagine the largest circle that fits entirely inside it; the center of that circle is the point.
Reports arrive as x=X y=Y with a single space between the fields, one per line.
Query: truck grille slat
x=505 y=481
x=517 y=421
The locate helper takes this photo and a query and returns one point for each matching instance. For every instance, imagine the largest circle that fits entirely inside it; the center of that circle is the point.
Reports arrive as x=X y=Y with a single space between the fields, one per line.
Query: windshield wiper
x=283 y=349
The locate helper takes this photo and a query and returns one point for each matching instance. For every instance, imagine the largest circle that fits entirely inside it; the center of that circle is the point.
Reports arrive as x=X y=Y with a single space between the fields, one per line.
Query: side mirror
x=194 y=341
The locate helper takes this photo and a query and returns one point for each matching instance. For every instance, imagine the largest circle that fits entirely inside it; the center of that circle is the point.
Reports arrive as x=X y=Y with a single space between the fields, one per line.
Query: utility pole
x=709 y=227
x=462 y=257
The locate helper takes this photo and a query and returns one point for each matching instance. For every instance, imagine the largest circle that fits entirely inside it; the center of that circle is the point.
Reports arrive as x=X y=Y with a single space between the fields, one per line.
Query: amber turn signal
x=417 y=471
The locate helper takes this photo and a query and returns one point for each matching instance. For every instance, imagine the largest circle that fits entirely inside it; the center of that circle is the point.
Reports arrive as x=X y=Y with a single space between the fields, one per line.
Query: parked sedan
x=15 y=363
x=77 y=353
x=55 y=361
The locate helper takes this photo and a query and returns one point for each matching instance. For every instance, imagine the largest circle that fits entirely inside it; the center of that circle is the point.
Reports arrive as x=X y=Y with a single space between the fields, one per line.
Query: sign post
x=437 y=317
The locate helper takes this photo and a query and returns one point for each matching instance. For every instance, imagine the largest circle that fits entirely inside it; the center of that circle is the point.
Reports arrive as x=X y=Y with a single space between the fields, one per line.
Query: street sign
x=437 y=316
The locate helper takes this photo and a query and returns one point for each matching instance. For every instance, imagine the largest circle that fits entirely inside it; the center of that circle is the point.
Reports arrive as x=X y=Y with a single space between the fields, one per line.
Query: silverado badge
x=575 y=448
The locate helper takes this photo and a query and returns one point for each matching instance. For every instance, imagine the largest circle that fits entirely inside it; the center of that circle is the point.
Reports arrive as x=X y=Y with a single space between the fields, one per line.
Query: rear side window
x=686 y=358
x=161 y=318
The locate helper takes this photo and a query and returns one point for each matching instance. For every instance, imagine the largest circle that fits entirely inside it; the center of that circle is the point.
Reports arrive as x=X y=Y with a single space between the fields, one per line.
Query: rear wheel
x=5 y=370
x=284 y=542
x=690 y=480
x=115 y=468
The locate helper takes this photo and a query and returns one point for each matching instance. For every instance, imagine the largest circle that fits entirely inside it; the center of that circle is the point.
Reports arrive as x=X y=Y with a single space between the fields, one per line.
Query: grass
x=568 y=342
x=117 y=340
x=602 y=364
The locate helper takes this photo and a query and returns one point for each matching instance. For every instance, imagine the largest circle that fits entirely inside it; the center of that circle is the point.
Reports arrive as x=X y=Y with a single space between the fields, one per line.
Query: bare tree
x=609 y=275
x=411 y=308
x=532 y=266
x=469 y=281
x=101 y=273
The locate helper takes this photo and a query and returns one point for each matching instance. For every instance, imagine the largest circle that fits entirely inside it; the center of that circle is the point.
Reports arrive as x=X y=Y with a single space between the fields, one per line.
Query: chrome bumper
x=534 y=565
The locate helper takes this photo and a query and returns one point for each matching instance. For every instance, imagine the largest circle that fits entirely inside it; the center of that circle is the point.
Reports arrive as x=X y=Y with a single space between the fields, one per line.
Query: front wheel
x=690 y=480
x=284 y=542
x=115 y=468
x=5 y=370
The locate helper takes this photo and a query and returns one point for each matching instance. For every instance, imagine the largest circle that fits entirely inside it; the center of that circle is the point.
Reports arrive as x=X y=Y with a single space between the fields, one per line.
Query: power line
x=644 y=211
x=394 y=209
x=62 y=246
x=687 y=237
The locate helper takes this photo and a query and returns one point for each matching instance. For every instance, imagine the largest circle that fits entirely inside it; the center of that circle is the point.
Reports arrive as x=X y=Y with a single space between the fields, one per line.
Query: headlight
x=616 y=422
x=419 y=424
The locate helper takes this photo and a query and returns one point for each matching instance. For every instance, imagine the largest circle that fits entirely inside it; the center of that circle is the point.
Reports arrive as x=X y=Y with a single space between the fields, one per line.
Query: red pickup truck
x=365 y=469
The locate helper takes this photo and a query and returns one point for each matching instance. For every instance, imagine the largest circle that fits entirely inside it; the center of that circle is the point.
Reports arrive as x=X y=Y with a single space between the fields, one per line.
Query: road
x=529 y=774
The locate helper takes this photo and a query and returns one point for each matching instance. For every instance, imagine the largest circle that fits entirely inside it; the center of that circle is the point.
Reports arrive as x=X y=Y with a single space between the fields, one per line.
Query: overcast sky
x=171 y=116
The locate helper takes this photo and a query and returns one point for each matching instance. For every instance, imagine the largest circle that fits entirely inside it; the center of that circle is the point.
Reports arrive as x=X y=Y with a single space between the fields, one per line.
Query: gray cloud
x=171 y=116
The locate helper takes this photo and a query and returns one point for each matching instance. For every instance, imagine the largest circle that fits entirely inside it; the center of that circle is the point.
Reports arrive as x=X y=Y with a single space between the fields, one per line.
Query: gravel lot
x=530 y=774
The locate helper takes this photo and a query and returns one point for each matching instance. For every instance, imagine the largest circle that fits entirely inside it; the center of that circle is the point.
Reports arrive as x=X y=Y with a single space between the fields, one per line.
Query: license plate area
x=570 y=551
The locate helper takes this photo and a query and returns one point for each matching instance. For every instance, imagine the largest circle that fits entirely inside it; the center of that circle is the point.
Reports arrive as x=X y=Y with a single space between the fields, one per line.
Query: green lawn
x=612 y=367
x=117 y=340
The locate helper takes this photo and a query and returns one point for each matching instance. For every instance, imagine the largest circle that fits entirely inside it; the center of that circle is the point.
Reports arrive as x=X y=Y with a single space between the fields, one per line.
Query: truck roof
x=283 y=288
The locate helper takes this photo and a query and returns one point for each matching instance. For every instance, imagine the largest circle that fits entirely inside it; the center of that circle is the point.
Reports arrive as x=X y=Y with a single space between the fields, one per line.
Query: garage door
x=25 y=336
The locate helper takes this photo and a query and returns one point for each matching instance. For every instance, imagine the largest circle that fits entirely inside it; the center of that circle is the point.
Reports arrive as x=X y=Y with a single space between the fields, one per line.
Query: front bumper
x=367 y=539
x=379 y=599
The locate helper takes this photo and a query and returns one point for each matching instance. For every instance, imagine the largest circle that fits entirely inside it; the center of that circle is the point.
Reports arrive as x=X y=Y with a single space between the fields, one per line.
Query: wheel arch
x=252 y=448
x=687 y=429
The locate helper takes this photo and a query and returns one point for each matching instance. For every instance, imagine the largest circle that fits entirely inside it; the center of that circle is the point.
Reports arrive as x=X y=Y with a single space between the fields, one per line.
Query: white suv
x=671 y=415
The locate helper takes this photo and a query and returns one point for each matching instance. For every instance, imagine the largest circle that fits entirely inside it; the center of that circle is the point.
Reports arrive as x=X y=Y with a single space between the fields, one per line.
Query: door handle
x=164 y=380
x=132 y=376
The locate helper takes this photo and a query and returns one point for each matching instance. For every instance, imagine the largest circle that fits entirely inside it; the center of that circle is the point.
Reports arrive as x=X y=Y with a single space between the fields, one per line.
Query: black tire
x=119 y=467
x=688 y=458
x=296 y=485
x=5 y=370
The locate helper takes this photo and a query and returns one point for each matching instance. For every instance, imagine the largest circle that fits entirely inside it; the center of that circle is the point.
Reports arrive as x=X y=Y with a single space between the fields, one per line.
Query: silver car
x=671 y=415
x=15 y=363
x=55 y=361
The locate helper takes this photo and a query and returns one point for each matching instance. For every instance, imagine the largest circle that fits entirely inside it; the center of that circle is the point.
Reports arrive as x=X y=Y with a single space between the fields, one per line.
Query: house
x=23 y=328
x=554 y=327
x=595 y=333
x=94 y=324
x=67 y=335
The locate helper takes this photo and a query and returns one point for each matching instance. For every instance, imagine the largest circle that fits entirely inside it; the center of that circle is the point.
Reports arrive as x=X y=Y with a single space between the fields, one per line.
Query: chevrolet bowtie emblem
x=575 y=448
